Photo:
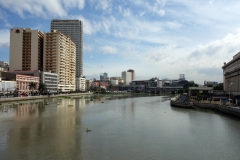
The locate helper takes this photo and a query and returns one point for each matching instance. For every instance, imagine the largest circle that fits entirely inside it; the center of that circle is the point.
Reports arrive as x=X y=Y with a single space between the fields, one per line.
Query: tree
x=210 y=85
x=15 y=92
x=32 y=86
x=95 y=89
x=110 y=87
x=189 y=84
x=103 y=90
x=42 y=88
x=199 y=97
x=218 y=87
x=180 y=91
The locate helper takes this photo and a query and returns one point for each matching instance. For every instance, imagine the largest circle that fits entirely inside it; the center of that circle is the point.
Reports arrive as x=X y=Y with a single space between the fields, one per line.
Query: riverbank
x=231 y=110
x=16 y=99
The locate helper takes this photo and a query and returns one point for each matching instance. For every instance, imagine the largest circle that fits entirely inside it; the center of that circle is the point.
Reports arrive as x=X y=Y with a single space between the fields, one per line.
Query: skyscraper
x=26 y=49
x=72 y=28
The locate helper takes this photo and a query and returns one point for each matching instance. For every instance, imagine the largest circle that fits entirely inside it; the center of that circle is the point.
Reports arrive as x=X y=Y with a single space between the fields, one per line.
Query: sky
x=156 y=38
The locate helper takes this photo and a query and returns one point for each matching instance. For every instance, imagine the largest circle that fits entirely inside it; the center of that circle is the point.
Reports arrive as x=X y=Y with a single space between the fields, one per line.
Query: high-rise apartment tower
x=72 y=28
x=26 y=49
x=59 y=57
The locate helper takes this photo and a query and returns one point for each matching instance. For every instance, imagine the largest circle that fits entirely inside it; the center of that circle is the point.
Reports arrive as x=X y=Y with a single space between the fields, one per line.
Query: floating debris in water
x=88 y=130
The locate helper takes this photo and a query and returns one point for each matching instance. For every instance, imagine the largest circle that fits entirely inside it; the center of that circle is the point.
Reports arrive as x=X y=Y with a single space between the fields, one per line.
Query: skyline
x=157 y=38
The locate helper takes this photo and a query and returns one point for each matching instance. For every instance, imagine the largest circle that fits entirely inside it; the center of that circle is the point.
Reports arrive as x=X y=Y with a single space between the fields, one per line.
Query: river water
x=122 y=127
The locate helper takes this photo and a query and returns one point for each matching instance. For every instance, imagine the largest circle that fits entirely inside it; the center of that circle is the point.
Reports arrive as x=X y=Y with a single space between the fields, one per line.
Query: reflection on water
x=123 y=127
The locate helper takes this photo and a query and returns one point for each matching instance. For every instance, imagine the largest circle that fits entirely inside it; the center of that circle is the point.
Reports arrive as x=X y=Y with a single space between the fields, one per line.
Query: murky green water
x=121 y=128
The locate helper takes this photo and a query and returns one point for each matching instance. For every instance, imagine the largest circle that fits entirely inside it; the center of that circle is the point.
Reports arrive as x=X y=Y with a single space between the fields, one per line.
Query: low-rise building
x=4 y=66
x=80 y=83
x=22 y=82
x=48 y=78
x=7 y=87
x=51 y=81
x=88 y=85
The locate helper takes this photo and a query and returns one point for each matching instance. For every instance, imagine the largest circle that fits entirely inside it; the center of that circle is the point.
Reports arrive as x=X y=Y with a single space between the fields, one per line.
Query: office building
x=59 y=57
x=231 y=77
x=132 y=73
x=26 y=49
x=72 y=28
x=127 y=77
x=104 y=76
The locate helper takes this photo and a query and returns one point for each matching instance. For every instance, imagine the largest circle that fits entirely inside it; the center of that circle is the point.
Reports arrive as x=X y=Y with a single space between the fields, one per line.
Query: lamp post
x=229 y=90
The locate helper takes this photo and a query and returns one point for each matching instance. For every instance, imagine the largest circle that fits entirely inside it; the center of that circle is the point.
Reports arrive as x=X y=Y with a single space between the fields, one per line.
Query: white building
x=127 y=77
x=72 y=28
x=48 y=78
x=7 y=86
x=81 y=83
x=114 y=82
x=4 y=66
x=51 y=81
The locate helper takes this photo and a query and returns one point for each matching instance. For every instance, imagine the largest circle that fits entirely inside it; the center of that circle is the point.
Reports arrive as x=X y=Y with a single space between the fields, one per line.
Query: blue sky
x=156 y=38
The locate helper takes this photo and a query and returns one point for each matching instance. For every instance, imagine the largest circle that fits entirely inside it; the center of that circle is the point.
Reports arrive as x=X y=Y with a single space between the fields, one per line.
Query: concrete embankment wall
x=12 y=99
x=206 y=105
x=180 y=104
x=221 y=108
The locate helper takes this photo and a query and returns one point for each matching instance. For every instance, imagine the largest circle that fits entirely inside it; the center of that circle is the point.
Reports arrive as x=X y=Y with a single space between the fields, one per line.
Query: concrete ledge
x=181 y=105
x=222 y=108
x=5 y=100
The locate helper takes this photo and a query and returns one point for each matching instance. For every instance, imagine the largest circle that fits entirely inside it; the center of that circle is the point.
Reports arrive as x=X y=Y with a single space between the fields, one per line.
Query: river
x=122 y=127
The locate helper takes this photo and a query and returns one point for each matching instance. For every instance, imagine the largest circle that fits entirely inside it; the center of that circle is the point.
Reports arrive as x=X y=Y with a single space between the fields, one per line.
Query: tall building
x=127 y=77
x=26 y=49
x=133 y=74
x=103 y=76
x=72 y=28
x=59 y=57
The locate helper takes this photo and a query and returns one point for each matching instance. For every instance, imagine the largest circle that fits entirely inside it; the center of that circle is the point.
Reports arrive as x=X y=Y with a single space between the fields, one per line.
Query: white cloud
x=89 y=27
x=152 y=6
x=2 y=45
x=87 y=47
x=104 y=5
x=220 y=50
x=142 y=14
x=72 y=3
x=4 y=37
x=108 y=50
x=3 y=16
x=124 y=12
x=43 y=8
